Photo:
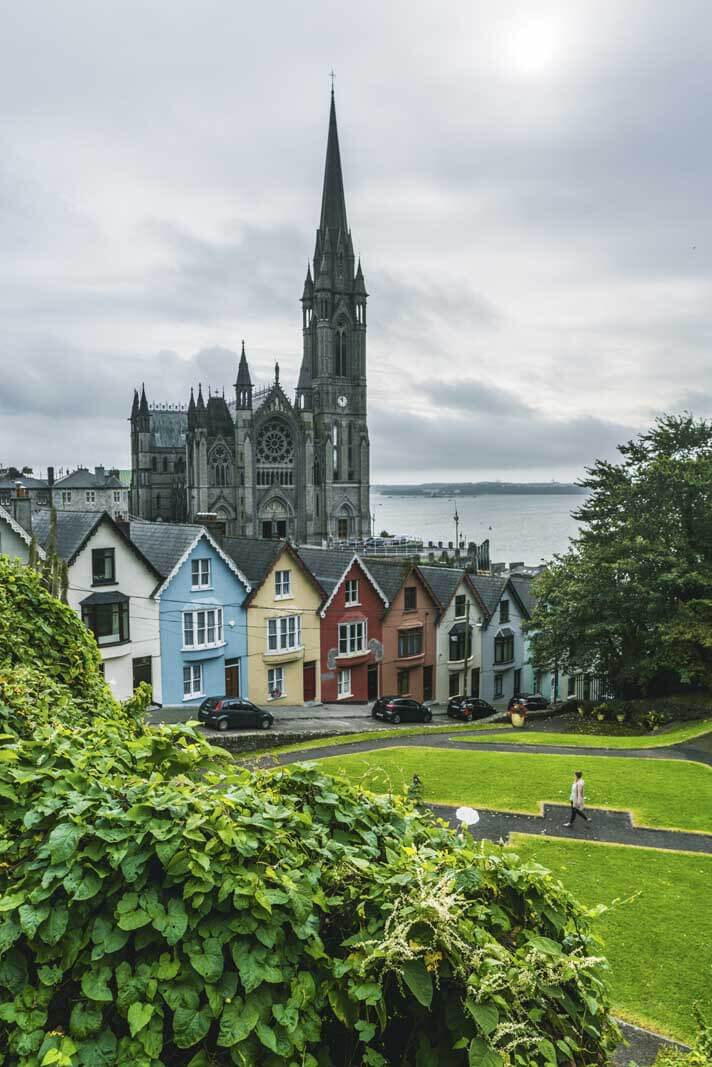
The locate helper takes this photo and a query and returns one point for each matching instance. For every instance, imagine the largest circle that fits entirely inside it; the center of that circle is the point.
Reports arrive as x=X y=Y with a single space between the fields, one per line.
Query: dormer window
x=201 y=574
x=351 y=591
x=460 y=606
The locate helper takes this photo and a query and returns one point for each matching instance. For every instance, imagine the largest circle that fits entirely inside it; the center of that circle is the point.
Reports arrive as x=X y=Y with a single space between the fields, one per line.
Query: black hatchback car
x=229 y=713
x=469 y=708
x=531 y=701
x=400 y=709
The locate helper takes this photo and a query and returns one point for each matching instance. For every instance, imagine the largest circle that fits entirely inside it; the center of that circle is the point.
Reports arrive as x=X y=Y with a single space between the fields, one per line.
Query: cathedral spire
x=143 y=406
x=134 y=406
x=333 y=201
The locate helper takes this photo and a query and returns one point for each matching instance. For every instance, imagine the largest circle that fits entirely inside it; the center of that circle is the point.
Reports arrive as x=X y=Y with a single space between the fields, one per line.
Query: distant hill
x=481 y=489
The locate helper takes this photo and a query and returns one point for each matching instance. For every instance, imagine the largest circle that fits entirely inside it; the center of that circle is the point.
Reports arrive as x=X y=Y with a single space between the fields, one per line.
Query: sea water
x=527 y=528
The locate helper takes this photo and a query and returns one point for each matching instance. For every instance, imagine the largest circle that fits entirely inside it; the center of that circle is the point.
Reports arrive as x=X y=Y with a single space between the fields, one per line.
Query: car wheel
x=427 y=717
x=222 y=725
x=266 y=723
x=395 y=719
x=374 y=714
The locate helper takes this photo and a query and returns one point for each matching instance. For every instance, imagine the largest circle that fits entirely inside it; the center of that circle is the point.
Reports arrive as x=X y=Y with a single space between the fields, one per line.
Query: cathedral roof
x=219 y=419
x=143 y=406
x=333 y=201
x=169 y=428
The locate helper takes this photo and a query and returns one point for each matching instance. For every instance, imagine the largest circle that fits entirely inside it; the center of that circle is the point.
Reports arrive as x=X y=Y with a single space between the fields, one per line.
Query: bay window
x=352 y=638
x=203 y=629
x=284 y=634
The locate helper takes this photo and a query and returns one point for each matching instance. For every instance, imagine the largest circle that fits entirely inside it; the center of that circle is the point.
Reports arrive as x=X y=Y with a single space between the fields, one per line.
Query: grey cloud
x=475 y=398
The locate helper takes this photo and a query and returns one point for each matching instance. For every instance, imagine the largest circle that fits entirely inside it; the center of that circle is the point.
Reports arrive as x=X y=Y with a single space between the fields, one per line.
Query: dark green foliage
x=160 y=908
x=632 y=599
x=49 y=661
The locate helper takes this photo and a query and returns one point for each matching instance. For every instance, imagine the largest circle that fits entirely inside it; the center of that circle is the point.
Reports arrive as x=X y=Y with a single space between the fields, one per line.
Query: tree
x=632 y=598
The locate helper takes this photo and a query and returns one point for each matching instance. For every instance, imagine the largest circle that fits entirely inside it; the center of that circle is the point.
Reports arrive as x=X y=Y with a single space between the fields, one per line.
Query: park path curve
x=610 y=827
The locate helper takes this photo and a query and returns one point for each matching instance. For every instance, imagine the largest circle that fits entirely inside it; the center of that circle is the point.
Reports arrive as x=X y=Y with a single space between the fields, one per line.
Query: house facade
x=283 y=627
x=16 y=527
x=352 y=637
x=503 y=643
x=97 y=490
x=409 y=632
x=111 y=587
x=202 y=617
x=458 y=635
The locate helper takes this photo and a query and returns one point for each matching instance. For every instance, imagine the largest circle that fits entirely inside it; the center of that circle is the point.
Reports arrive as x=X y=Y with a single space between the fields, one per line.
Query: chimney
x=124 y=525
x=50 y=477
x=22 y=507
x=99 y=472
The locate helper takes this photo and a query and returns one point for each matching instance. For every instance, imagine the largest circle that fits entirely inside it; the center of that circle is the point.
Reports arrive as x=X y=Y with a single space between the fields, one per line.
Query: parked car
x=400 y=709
x=469 y=708
x=229 y=713
x=531 y=701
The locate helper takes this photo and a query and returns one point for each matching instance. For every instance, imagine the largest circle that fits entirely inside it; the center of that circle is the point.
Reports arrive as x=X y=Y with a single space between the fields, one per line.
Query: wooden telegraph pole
x=467 y=647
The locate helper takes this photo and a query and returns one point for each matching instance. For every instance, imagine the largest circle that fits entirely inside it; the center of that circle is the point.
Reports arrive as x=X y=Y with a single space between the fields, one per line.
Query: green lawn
x=532 y=736
x=663 y=793
x=660 y=945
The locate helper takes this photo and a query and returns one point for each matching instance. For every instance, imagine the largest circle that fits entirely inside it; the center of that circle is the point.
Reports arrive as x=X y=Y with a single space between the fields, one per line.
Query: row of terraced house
x=197 y=614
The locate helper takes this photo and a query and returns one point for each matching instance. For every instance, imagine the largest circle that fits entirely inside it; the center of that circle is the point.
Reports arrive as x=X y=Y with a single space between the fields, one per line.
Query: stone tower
x=331 y=393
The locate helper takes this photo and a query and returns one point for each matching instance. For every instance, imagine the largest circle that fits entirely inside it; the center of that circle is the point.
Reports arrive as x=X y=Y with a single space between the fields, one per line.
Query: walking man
x=577 y=798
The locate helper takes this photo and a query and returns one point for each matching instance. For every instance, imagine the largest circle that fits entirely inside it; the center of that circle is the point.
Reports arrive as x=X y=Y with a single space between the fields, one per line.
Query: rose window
x=274 y=444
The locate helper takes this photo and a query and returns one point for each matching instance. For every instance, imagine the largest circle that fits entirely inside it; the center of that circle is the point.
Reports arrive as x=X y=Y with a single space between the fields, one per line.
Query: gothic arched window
x=341 y=353
x=220 y=461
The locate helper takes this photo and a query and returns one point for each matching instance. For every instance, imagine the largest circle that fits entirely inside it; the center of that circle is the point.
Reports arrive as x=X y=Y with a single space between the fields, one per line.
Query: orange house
x=409 y=631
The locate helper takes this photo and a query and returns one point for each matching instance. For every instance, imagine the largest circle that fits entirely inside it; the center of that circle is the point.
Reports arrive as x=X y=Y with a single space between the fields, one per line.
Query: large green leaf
x=190 y=1026
x=95 y=983
x=237 y=1021
x=207 y=958
x=480 y=1054
x=139 y=1015
x=63 y=841
x=419 y=981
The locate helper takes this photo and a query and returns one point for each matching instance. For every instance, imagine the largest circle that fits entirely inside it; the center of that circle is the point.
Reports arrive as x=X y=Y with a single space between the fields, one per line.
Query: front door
x=232 y=677
x=476 y=682
x=310 y=681
x=142 y=671
x=427 y=683
x=373 y=681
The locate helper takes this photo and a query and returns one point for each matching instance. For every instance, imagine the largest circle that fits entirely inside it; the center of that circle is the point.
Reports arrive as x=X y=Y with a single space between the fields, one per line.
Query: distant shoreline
x=449 y=489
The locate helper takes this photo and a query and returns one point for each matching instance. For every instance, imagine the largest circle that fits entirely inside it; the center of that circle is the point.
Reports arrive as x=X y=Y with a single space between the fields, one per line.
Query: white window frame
x=463 y=614
x=66 y=496
x=203 y=628
x=353 y=638
x=351 y=592
x=343 y=683
x=193 y=677
x=282 y=585
x=91 y=496
x=117 y=496
x=201 y=573
x=273 y=674
x=284 y=634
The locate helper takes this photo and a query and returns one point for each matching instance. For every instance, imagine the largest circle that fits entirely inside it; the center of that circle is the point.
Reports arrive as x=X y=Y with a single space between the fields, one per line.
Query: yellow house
x=283 y=635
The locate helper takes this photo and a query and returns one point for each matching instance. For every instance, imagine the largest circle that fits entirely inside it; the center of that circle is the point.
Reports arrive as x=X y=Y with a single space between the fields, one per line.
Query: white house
x=111 y=586
x=15 y=540
x=458 y=667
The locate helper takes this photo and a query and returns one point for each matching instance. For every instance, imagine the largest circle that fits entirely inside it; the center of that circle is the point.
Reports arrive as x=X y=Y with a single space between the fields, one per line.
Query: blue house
x=504 y=652
x=202 y=620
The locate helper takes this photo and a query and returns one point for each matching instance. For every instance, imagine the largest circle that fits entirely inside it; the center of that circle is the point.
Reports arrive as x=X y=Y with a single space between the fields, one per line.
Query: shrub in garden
x=158 y=907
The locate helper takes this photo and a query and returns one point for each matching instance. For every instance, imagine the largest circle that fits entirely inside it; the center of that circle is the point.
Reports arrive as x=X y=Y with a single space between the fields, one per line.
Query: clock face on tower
x=342 y=401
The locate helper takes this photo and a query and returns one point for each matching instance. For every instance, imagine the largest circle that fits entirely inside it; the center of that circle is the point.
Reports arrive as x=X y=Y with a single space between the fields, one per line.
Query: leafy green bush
x=700 y=1055
x=159 y=907
x=49 y=661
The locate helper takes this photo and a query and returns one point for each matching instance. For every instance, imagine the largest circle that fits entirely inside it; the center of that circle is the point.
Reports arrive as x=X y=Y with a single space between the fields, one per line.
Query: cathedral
x=265 y=464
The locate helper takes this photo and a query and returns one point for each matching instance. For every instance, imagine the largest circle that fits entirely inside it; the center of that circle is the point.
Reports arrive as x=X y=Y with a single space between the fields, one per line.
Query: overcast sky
x=528 y=184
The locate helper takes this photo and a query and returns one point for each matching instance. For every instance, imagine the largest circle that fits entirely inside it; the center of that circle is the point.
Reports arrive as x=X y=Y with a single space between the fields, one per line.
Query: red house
x=351 y=627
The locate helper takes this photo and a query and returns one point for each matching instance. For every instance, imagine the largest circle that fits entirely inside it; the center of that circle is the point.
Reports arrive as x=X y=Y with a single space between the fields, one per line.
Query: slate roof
x=523 y=587
x=163 y=543
x=74 y=528
x=25 y=480
x=253 y=555
x=86 y=479
x=169 y=428
x=443 y=581
x=388 y=576
x=490 y=589
x=327 y=565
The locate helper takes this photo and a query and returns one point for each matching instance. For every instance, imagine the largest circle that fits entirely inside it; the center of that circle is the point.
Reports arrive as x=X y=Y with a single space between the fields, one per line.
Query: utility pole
x=457 y=528
x=467 y=646
x=373 y=524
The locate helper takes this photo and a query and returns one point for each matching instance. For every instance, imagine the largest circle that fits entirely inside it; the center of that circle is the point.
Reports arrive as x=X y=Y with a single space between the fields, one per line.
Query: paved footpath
x=612 y=827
